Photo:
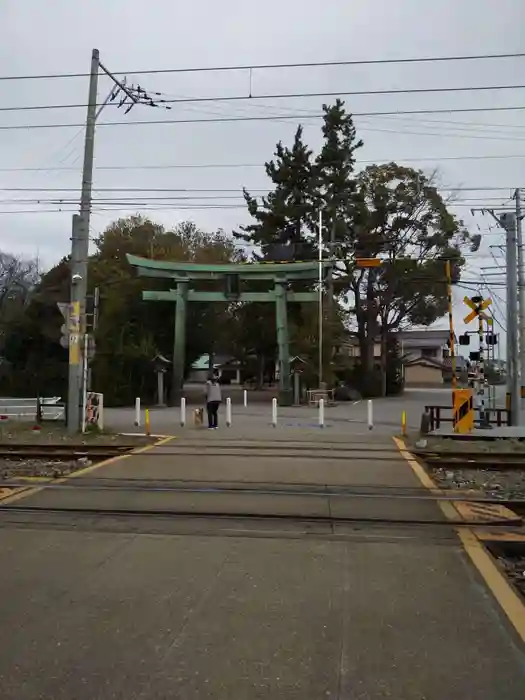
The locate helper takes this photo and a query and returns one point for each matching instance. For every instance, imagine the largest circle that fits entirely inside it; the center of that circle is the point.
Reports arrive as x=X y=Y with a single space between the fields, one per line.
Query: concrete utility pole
x=321 y=339
x=79 y=259
x=129 y=96
x=508 y=221
x=330 y=276
x=521 y=296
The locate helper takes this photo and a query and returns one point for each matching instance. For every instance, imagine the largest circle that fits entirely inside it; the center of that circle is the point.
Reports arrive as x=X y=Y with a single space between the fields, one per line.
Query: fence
x=50 y=408
x=496 y=416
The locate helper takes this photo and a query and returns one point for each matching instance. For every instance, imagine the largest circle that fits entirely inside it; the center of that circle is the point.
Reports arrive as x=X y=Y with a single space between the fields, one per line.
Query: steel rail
x=246 y=515
x=321 y=492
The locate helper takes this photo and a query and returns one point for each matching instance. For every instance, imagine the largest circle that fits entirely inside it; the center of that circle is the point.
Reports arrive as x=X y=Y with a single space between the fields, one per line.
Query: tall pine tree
x=283 y=219
x=286 y=223
x=338 y=199
x=335 y=183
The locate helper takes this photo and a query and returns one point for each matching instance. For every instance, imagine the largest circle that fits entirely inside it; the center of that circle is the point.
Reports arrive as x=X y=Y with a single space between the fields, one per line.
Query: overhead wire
x=289 y=95
x=443 y=188
x=146 y=201
x=276 y=66
x=250 y=118
x=270 y=118
x=198 y=166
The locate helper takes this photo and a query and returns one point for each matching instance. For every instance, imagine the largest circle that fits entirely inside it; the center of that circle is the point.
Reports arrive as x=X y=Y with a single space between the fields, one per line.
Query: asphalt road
x=347 y=418
x=149 y=607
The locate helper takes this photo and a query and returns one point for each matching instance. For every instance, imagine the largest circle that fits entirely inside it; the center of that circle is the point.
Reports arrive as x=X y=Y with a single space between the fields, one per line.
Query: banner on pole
x=94 y=410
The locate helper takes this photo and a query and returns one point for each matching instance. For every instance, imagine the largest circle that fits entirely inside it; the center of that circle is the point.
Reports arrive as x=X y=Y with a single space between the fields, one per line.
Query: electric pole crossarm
x=120 y=85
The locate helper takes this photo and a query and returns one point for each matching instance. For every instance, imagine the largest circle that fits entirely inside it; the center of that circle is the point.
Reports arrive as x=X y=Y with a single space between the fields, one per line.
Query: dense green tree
x=286 y=222
x=284 y=218
x=35 y=362
x=335 y=182
x=404 y=220
x=130 y=331
x=388 y=210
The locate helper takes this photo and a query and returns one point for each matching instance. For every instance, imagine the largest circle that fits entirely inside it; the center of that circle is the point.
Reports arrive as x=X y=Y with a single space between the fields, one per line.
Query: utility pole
x=508 y=221
x=452 y=335
x=321 y=340
x=329 y=276
x=129 y=96
x=79 y=259
x=521 y=297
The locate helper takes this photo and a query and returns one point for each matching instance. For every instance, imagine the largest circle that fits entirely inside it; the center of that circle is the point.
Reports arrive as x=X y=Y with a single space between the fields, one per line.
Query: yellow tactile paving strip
x=472 y=542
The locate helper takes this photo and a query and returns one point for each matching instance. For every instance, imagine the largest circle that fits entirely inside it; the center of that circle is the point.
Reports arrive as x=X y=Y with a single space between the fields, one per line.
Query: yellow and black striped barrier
x=463 y=408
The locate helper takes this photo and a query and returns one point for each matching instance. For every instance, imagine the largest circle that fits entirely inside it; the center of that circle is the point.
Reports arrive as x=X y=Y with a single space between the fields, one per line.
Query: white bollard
x=321 y=413
x=228 y=412
x=245 y=398
x=370 y=415
x=101 y=412
x=274 y=413
x=137 y=411
x=183 y=412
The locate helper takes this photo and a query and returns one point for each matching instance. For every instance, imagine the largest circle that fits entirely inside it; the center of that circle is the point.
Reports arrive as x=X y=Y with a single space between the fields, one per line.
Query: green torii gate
x=183 y=274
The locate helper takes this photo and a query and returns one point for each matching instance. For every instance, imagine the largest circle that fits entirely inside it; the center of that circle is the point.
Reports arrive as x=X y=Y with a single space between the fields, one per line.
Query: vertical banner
x=84 y=382
x=74 y=333
x=94 y=410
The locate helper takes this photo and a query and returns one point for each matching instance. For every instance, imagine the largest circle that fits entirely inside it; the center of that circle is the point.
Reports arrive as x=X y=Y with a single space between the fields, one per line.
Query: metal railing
x=45 y=408
x=495 y=416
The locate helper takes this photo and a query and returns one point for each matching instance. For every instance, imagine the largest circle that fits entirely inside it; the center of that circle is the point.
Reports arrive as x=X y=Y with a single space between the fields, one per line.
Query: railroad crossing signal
x=478 y=306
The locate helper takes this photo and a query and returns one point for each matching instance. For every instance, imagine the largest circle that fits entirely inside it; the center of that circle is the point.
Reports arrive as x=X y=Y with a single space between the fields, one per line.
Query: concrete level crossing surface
x=145 y=605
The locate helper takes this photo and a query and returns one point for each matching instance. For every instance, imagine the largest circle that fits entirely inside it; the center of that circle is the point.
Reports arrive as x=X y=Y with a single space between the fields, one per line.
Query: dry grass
x=53 y=433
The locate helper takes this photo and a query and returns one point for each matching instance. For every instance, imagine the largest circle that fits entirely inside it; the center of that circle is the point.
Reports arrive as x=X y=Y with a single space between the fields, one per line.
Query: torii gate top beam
x=183 y=270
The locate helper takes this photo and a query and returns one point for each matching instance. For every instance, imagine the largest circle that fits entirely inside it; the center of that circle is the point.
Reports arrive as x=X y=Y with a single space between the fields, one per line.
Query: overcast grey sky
x=57 y=36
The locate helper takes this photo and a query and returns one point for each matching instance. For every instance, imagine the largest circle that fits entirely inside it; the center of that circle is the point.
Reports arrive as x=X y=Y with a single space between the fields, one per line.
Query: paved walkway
x=347 y=417
x=145 y=606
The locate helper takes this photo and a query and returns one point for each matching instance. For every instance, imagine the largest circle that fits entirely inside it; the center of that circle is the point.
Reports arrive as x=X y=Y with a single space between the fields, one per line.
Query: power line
x=199 y=166
x=265 y=118
x=289 y=95
x=127 y=189
x=488 y=136
x=133 y=200
x=150 y=199
x=128 y=206
x=443 y=188
x=275 y=66
x=189 y=207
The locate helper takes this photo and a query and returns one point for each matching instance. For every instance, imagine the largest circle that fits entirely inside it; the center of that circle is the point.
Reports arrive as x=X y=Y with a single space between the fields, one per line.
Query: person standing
x=213 y=401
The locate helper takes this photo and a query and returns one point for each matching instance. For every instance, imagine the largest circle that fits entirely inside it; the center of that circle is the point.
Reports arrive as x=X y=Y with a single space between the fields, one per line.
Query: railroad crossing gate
x=477 y=309
x=463 y=411
x=230 y=277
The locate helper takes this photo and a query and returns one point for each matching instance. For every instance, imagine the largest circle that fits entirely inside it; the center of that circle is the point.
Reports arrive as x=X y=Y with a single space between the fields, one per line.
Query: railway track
x=487 y=460
x=245 y=515
x=284 y=489
x=62 y=452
